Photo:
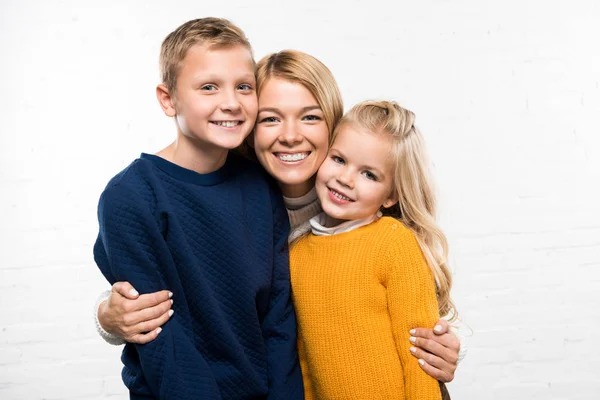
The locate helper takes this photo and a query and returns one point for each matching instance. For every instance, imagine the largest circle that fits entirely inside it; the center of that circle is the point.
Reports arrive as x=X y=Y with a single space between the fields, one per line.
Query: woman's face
x=291 y=137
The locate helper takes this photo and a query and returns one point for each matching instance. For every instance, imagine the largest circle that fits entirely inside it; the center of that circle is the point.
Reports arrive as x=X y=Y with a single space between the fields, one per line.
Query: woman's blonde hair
x=416 y=207
x=296 y=66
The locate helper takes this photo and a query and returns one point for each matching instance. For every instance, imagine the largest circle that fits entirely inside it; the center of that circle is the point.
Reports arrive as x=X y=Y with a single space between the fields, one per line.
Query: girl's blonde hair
x=296 y=66
x=416 y=207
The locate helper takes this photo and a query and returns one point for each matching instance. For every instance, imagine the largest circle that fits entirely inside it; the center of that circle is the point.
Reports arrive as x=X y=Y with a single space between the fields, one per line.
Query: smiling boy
x=210 y=227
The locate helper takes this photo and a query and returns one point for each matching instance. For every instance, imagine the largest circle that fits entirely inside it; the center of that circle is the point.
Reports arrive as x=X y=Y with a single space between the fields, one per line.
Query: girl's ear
x=392 y=200
x=165 y=100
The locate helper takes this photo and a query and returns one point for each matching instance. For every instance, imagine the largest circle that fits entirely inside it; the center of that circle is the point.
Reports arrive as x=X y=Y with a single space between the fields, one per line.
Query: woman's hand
x=437 y=350
x=135 y=318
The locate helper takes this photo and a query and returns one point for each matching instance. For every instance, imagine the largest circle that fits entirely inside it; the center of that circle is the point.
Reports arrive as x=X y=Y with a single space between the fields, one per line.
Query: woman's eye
x=245 y=87
x=209 y=87
x=338 y=160
x=311 y=118
x=370 y=175
x=268 y=119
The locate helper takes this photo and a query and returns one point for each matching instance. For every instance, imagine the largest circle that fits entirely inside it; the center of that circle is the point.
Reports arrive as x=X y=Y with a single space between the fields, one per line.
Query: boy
x=209 y=226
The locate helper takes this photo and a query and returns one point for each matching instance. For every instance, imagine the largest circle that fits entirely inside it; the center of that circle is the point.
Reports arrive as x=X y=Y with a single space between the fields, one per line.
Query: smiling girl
x=361 y=281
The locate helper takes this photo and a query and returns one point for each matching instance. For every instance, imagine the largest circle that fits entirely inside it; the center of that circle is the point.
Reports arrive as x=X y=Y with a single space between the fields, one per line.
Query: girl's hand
x=437 y=350
x=135 y=318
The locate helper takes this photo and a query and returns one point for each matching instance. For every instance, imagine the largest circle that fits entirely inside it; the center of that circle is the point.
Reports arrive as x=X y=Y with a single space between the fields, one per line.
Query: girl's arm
x=412 y=303
x=122 y=315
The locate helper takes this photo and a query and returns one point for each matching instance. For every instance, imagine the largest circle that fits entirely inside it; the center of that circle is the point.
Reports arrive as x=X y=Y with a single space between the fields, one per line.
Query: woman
x=298 y=108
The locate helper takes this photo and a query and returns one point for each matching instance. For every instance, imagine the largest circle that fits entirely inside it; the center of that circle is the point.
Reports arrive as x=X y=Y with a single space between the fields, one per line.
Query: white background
x=508 y=97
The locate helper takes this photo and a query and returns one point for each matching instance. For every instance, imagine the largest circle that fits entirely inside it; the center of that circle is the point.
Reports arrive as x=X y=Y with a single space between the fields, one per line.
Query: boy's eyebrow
x=217 y=78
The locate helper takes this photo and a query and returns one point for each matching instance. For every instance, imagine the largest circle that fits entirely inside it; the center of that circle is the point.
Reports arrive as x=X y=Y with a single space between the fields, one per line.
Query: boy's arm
x=412 y=302
x=279 y=325
x=130 y=247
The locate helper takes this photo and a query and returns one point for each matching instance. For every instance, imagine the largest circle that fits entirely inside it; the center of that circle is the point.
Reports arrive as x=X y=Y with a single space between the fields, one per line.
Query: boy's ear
x=165 y=100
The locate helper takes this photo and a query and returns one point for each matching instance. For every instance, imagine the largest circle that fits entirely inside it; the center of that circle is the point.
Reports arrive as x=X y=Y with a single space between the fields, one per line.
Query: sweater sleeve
x=131 y=247
x=412 y=303
x=279 y=324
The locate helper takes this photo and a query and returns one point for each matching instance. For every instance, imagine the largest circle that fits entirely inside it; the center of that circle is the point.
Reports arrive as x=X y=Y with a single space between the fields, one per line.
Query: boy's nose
x=231 y=102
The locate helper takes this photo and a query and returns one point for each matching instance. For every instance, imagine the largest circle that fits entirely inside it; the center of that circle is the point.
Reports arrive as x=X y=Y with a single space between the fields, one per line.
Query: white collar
x=316 y=224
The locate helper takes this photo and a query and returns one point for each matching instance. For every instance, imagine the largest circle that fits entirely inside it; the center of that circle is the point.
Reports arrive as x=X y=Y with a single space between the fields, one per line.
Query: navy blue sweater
x=219 y=242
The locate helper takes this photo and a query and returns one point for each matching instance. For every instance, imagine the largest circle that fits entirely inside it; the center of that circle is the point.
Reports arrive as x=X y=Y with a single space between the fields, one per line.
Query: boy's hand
x=437 y=350
x=135 y=318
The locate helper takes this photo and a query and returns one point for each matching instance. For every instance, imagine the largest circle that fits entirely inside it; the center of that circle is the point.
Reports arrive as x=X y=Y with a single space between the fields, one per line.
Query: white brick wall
x=507 y=93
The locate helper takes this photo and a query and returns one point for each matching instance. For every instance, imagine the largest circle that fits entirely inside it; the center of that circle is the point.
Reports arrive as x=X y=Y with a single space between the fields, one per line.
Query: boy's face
x=356 y=178
x=215 y=99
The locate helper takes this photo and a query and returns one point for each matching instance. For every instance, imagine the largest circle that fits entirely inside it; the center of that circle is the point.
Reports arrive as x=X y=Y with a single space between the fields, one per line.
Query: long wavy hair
x=416 y=207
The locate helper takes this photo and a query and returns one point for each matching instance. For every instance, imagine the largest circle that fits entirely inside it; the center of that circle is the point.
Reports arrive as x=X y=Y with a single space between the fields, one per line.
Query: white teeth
x=227 y=124
x=339 y=196
x=292 y=157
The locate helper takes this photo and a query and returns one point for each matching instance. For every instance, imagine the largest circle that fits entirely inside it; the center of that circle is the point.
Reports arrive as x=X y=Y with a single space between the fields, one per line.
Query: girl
x=360 y=280
x=299 y=106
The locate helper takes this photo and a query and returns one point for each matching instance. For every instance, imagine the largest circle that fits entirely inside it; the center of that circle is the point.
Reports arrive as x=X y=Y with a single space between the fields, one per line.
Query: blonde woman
x=299 y=106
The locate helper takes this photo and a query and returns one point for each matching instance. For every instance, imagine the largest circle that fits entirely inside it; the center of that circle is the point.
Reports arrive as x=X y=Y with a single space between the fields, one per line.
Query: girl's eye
x=209 y=87
x=245 y=87
x=370 y=175
x=268 y=119
x=311 y=118
x=338 y=160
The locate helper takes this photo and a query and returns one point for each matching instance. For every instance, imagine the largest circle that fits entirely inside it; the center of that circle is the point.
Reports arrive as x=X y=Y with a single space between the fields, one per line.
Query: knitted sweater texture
x=357 y=295
x=219 y=242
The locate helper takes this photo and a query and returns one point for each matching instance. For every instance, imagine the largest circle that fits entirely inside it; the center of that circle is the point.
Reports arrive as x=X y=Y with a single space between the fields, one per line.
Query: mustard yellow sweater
x=357 y=294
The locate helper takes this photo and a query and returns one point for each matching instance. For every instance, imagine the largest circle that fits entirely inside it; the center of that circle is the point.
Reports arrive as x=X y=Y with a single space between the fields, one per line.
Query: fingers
x=152 y=299
x=147 y=314
x=441 y=327
x=147 y=331
x=434 y=347
x=438 y=374
x=448 y=340
x=145 y=338
x=125 y=289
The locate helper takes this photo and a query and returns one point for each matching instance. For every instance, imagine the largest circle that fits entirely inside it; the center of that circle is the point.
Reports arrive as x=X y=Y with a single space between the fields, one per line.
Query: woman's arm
x=124 y=315
x=439 y=350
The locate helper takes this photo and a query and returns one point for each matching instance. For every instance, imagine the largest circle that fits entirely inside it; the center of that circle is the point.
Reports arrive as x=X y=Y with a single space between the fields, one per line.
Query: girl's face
x=356 y=178
x=291 y=137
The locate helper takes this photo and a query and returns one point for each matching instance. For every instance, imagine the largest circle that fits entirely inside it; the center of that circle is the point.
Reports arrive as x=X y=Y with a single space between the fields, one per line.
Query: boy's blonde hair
x=296 y=66
x=217 y=32
x=416 y=207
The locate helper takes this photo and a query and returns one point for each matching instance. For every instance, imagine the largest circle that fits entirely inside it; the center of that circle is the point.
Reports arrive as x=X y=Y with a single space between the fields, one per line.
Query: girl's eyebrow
x=338 y=153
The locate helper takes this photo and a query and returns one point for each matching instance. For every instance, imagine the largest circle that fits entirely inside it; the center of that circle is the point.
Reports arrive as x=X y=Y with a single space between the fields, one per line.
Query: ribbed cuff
x=108 y=337
x=461 y=330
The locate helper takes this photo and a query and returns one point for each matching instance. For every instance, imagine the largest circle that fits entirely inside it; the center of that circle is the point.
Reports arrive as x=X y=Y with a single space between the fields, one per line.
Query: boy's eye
x=311 y=118
x=268 y=119
x=245 y=87
x=338 y=160
x=208 y=87
x=370 y=175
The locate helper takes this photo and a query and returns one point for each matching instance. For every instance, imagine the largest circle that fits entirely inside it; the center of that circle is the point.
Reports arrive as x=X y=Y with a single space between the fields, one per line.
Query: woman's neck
x=297 y=190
